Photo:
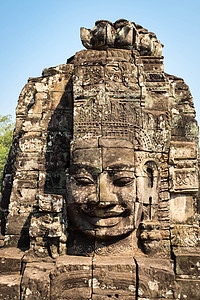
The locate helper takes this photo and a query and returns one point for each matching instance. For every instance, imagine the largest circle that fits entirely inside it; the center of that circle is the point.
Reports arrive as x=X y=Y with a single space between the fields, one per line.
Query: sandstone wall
x=117 y=88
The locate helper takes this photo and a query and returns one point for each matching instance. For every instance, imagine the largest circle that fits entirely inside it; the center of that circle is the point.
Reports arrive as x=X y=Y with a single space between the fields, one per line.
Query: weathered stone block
x=81 y=57
x=32 y=125
x=184 y=235
x=60 y=100
x=78 y=245
x=89 y=75
x=40 y=246
x=45 y=224
x=54 y=183
x=182 y=150
x=181 y=208
x=90 y=92
x=27 y=96
x=37 y=105
x=114 y=275
x=153 y=63
x=93 y=156
x=50 y=203
x=17 y=223
x=36 y=281
x=84 y=144
x=21 y=196
x=10 y=287
x=10 y=260
x=184 y=180
x=153 y=239
x=119 y=55
x=55 y=163
x=72 y=278
x=188 y=264
x=116 y=247
x=27 y=180
x=29 y=162
x=31 y=144
x=189 y=289
x=16 y=240
x=61 y=119
x=120 y=154
x=156 y=279
x=112 y=296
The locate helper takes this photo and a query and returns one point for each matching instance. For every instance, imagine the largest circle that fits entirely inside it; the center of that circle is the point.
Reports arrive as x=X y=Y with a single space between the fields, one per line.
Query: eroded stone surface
x=114 y=276
x=101 y=188
x=122 y=34
x=10 y=287
x=10 y=260
x=72 y=278
x=156 y=279
x=36 y=281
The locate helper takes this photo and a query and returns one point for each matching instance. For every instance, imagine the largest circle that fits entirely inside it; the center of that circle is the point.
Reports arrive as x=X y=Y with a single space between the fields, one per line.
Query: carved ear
x=138 y=213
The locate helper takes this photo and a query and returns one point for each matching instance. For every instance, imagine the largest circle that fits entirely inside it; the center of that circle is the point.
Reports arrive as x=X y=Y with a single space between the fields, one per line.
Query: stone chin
x=102 y=228
x=109 y=233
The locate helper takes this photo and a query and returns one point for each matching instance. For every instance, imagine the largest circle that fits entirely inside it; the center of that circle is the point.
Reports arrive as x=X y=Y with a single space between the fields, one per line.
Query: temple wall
x=41 y=139
x=113 y=101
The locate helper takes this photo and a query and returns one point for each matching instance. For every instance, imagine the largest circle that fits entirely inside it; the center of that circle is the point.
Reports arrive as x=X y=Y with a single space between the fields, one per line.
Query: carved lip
x=104 y=222
x=104 y=218
x=103 y=213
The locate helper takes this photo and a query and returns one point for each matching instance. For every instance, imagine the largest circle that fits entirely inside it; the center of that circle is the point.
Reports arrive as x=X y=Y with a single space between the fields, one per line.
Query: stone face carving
x=101 y=188
x=100 y=192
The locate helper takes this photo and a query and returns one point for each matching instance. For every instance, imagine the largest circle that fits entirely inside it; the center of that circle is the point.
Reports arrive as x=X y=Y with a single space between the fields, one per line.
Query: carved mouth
x=105 y=212
x=104 y=217
x=104 y=222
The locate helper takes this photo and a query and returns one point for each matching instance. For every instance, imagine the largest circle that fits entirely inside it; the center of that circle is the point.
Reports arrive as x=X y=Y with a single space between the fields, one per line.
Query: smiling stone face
x=101 y=188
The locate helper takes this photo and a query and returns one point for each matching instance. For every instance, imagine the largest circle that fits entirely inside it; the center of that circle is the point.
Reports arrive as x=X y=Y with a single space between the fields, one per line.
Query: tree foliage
x=6 y=135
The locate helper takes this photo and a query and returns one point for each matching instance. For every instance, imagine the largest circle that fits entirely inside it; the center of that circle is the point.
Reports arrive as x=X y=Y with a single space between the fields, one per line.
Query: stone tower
x=100 y=191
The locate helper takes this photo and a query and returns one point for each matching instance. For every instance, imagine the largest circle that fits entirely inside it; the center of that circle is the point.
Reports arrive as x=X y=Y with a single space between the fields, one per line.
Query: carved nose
x=106 y=196
x=93 y=199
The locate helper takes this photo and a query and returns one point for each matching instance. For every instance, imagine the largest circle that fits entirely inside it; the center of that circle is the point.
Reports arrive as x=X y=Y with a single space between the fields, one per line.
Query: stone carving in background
x=100 y=192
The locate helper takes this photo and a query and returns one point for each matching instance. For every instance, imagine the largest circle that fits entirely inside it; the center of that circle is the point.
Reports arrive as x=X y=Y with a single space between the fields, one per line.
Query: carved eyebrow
x=94 y=170
x=120 y=167
x=91 y=169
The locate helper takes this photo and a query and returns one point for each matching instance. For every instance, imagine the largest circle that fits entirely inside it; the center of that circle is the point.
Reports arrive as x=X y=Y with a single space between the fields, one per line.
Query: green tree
x=6 y=135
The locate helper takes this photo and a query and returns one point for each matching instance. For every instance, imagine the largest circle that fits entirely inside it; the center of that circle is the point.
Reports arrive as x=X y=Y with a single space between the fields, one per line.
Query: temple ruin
x=100 y=196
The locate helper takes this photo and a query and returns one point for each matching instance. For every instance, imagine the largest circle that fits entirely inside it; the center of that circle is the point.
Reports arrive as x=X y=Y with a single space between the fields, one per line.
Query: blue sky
x=36 y=34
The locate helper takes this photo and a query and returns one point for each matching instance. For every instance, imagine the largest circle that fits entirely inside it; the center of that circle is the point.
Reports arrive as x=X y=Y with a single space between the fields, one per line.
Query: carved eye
x=122 y=181
x=84 y=180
